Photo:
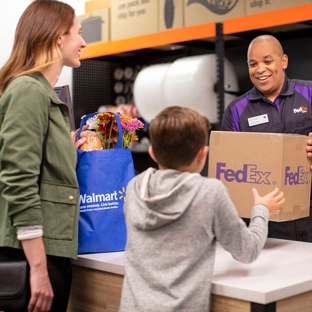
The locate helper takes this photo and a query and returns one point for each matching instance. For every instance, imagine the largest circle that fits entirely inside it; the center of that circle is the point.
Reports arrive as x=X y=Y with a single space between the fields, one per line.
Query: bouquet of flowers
x=102 y=132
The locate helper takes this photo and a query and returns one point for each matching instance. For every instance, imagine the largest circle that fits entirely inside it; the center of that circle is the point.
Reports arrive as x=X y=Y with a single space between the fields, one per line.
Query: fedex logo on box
x=249 y=173
x=242 y=160
x=297 y=177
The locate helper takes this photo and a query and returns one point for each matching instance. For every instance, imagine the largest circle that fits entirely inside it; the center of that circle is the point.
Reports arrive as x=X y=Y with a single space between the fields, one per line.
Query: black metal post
x=220 y=69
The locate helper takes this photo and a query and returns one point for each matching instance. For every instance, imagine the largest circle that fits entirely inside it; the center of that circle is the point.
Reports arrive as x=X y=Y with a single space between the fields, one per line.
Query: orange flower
x=105 y=125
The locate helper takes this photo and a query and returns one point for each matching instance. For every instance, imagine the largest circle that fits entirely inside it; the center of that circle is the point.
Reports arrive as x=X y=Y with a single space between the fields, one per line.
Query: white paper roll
x=148 y=90
x=188 y=81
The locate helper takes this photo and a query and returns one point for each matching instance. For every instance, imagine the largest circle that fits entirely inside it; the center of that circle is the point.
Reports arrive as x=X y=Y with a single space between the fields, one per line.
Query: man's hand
x=309 y=149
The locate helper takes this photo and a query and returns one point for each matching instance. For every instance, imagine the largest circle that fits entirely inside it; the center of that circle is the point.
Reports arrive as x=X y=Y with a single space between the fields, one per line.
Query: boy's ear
x=151 y=153
x=202 y=154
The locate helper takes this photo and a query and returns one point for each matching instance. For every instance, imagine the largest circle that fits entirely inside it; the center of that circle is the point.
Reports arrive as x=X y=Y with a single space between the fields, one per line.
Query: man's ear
x=202 y=154
x=151 y=153
x=285 y=61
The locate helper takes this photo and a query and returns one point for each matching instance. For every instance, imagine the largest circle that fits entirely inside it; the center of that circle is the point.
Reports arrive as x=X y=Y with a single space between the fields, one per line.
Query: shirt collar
x=288 y=89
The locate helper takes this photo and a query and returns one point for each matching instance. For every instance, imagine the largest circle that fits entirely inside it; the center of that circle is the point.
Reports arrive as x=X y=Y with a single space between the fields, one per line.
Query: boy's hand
x=273 y=201
x=309 y=149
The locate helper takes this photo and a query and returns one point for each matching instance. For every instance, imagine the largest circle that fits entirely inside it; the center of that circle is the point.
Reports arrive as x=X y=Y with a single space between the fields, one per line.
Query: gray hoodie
x=174 y=220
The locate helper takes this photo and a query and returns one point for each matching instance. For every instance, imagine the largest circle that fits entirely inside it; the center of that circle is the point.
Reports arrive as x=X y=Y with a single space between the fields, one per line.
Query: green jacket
x=30 y=109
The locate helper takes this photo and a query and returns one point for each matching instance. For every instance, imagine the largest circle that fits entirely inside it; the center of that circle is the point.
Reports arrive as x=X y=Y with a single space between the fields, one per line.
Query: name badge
x=258 y=120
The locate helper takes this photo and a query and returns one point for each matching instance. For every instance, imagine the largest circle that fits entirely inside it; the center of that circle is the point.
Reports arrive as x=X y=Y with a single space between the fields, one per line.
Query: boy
x=175 y=216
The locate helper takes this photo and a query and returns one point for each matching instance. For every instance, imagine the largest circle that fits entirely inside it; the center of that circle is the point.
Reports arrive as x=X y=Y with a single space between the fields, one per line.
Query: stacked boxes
x=130 y=18
x=170 y=14
x=95 y=26
x=207 y=11
x=260 y=6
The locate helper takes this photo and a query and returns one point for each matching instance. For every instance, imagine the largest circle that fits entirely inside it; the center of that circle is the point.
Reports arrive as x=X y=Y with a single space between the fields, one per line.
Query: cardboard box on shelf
x=130 y=18
x=95 y=5
x=260 y=6
x=207 y=11
x=95 y=26
x=170 y=13
x=243 y=160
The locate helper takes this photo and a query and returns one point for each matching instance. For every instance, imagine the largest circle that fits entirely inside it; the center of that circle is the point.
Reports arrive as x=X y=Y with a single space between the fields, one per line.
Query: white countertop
x=283 y=269
x=112 y=262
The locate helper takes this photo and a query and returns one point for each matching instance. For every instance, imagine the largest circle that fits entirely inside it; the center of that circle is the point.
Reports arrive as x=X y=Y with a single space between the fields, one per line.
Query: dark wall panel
x=92 y=87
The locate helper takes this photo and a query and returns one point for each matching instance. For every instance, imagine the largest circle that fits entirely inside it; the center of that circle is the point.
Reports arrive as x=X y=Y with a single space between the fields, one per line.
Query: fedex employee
x=275 y=104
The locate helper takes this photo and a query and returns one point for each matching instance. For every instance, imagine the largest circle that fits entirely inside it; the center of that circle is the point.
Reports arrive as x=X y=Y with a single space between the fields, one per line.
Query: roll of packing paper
x=148 y=90
x=188 y=81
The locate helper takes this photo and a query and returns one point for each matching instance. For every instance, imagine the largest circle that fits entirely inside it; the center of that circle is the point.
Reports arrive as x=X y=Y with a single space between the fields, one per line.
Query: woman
x=39 y=202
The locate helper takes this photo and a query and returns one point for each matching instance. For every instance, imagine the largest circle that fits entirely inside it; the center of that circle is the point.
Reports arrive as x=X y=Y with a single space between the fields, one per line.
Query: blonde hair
x=35 y=45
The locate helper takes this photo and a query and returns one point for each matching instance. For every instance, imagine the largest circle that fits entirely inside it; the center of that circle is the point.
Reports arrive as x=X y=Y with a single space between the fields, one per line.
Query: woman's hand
x=41 y=292
x=74 y=136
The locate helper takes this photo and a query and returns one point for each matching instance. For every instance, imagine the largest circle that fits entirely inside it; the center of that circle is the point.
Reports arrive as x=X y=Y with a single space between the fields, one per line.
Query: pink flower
x=105 y=125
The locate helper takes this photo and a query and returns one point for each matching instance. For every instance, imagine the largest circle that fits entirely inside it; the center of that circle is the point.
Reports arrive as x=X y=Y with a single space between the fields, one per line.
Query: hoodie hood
x=159 y=197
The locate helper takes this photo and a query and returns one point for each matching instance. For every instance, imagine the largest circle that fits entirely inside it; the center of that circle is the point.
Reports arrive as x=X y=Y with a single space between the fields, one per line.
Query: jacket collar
x=50 y=91
x=288 y=89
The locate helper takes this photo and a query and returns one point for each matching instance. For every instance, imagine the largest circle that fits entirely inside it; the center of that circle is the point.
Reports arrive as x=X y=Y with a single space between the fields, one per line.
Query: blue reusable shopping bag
x=103 y=176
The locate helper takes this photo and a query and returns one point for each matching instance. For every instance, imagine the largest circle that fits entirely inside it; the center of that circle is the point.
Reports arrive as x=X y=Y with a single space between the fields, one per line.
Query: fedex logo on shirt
x=248 y=174
x=301 y=109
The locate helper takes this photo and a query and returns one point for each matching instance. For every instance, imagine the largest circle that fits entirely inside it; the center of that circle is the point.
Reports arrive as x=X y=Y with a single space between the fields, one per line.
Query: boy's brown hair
x=177 y=134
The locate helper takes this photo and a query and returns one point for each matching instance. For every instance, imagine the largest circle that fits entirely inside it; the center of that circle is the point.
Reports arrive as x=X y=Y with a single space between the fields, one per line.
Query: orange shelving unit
x=158 y=39
x=269 y=19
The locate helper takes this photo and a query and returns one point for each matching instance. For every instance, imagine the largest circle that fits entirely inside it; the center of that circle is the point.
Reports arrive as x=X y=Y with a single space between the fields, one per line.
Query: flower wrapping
x=103 y=131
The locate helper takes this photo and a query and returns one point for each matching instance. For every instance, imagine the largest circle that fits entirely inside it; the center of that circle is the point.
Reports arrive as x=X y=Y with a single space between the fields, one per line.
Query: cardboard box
x=130 y=18
x=170 y=14
x=243 y=160
x=259 y=6
x=203 y=11
x=96 y=5
x=95 y=26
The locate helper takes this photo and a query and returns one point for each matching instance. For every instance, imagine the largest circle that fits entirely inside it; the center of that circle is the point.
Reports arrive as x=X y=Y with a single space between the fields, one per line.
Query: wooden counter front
x=280 y=280
x=94 y=290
